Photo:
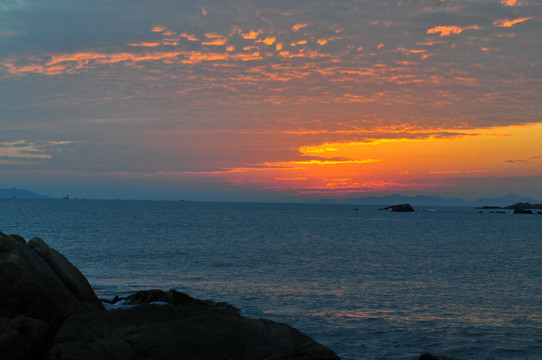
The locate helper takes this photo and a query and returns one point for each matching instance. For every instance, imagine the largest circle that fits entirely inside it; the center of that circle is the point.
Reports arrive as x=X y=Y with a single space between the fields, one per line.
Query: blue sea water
x=368 y=284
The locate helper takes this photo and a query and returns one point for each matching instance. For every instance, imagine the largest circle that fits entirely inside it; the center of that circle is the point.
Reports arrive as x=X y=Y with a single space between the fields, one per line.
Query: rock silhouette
x=48 y=310
x=399 y=208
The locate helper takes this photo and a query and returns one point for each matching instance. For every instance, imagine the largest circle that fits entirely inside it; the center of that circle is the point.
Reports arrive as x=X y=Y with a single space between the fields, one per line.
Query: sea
x=369 y=284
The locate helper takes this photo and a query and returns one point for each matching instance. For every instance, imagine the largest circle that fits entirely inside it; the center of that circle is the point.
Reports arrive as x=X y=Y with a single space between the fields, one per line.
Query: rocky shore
x=518 y=208
x=49 y=311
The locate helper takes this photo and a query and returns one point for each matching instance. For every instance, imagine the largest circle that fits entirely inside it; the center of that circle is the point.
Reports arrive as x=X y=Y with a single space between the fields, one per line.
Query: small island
x=399 y=208
x=518 y=208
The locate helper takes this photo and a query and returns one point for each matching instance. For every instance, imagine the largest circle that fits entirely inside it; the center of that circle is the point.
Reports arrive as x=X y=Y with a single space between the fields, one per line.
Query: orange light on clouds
x=269 y=40
x=251 y=35
x=321 y=42
x=286 y=99
x=421 y=160
x=66 y=63
x=146 y=44
x=189 y=37
x=511 y=22
x=22 y=150
x=297 y=27
x=451 y=30
x=215 y=40
x=510 y=2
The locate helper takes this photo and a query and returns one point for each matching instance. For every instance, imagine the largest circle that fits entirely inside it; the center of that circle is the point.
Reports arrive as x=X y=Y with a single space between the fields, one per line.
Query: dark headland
x=14 y=193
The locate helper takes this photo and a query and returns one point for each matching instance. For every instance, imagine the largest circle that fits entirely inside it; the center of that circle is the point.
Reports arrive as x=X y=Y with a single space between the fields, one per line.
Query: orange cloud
x=447 y=172
x=269 y=40
x=511 y=22
x=513 y=3
x=321 y=42
x=251 y=35
x=170 y=42
x=84 y=58
x=66 y=63
x=146 y=44
x=297 y=27
x=158 y=29
x=333 y=162
x=196 y=57
x=215 y=40
x=299 y=178
x=22 y=149
x=450 y=30
x=189 y=37
x=300 y=42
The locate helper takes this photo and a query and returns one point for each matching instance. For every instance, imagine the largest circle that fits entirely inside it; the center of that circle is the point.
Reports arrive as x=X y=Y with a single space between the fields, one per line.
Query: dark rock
x=69 y=274
x=524 y=205
x=194 y=331
x=40 y=283
x=427 y=356
x=519 y=205
x=399 y=208
x=172 y=297
x=48 y=310
x=522 y=211
x=23 y=338
x=39 y=290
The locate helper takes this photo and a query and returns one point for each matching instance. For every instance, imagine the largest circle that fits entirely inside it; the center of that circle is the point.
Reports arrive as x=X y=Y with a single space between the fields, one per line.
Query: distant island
x=14 y=193
x=517 y=206
x=423 y=200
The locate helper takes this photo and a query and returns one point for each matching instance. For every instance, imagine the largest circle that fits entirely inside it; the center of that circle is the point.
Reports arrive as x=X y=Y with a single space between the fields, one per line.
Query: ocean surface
x=369 y=284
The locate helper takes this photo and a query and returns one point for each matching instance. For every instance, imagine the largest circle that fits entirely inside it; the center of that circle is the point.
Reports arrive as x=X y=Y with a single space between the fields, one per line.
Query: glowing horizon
x=273 y=101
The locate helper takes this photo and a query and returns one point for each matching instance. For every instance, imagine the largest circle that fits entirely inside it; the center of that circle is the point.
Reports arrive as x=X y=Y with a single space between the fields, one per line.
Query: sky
x=276 y=100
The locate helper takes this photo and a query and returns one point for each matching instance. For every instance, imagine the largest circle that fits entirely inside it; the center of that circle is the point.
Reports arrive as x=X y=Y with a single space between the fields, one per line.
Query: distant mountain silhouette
x=423 y=200
x=504 y=201
x=20 y=194
x=419 y=200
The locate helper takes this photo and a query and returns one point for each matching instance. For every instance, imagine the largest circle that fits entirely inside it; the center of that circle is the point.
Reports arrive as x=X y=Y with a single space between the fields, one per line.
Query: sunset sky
x=271 y=100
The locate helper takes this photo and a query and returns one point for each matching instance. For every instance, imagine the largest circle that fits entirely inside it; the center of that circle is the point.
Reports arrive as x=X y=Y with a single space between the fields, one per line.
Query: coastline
x=49 y=311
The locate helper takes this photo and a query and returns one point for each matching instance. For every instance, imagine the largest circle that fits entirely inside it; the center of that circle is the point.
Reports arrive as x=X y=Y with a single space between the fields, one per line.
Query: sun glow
x=415 y=160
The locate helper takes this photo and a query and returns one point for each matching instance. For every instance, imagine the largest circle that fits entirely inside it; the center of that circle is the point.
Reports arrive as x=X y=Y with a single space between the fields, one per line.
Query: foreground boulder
x=193 y=330
x=39 y=290
x=48 y=310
